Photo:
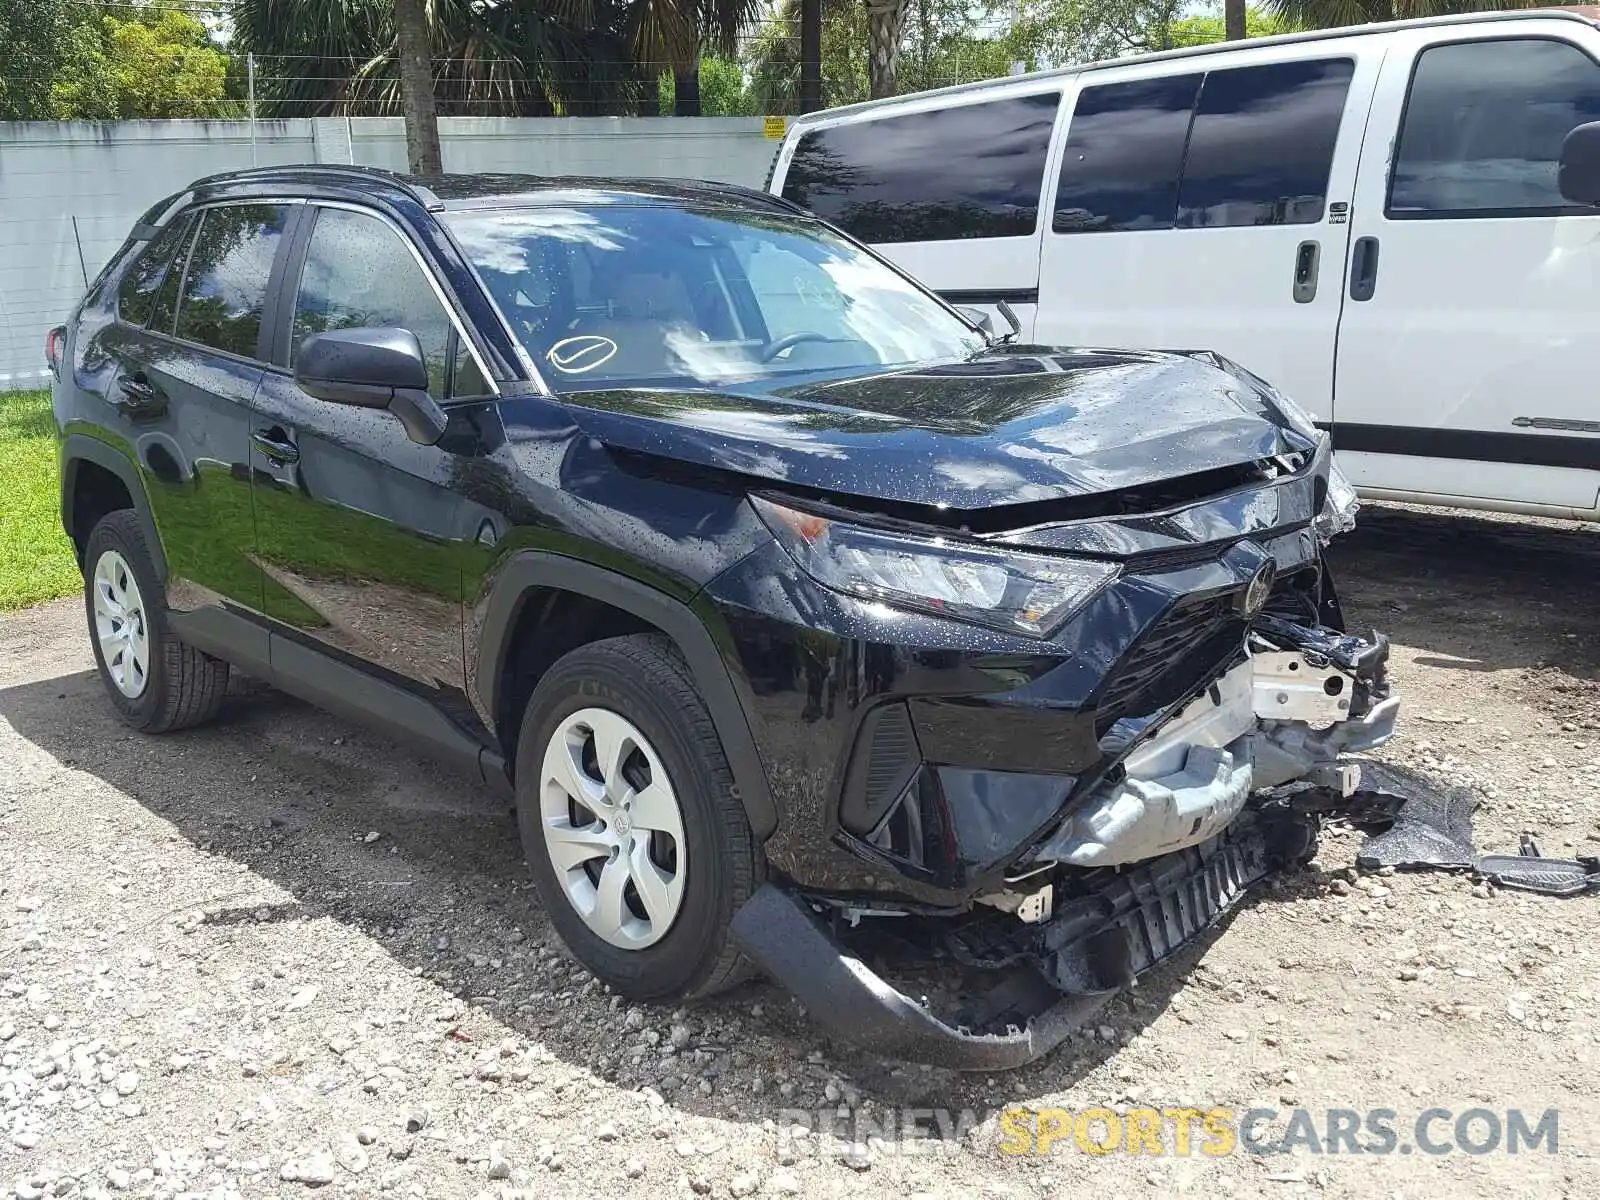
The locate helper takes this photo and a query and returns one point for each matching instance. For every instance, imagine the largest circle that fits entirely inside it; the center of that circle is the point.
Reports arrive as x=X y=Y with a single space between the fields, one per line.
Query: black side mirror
x=1579 y=173
x=373 y=368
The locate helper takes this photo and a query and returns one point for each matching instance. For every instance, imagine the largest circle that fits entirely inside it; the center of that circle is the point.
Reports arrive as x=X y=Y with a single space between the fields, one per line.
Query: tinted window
x=225 y=288
x=165 y=307
x=466 y=379
x=966 y=172
x=360 y=273
x=1262 y=143
x=1123 y=154
x=137 y=293
x=1484 y=124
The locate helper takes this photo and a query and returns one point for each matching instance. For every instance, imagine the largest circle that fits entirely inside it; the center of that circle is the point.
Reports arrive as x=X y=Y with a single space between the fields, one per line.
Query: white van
x=1368 y=218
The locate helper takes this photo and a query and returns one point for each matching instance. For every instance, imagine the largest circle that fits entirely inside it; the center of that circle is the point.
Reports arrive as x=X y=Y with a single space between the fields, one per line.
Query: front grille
x=1194 y=639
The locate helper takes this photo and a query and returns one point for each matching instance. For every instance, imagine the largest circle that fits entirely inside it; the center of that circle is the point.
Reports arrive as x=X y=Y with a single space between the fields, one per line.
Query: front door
x=1469 y=346
x=1206 y=209
x=359 y=533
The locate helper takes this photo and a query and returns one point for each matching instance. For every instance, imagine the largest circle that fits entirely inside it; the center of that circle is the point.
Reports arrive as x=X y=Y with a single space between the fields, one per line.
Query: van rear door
x=1470 y=347
x=947 y=188
x=1202 y=203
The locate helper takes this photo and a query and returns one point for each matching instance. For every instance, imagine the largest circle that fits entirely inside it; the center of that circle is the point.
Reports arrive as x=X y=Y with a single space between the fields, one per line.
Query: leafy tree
x=77 y=60
x=721 y=88
x=162 y=63
x=1329 y=14
x=937 y=48
x=1203 y=30
x=38 y=41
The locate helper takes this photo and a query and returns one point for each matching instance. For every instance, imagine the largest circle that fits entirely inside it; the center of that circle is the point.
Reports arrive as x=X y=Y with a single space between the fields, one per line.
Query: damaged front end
x=1181 y=828
x=1186 y=818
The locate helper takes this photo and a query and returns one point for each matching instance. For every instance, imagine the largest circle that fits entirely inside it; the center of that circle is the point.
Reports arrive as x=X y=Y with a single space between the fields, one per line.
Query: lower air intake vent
x=882 y=764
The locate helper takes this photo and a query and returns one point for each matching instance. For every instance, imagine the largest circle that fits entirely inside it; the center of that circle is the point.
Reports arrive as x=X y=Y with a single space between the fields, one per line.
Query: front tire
x=157 y=683
x=631 y=822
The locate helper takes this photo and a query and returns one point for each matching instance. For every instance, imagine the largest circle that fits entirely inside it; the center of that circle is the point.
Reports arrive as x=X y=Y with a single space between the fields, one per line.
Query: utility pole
x=250 y=101
x=416 y=87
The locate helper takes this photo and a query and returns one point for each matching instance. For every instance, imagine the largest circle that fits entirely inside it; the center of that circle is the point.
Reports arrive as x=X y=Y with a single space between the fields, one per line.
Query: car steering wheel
x=772 y=349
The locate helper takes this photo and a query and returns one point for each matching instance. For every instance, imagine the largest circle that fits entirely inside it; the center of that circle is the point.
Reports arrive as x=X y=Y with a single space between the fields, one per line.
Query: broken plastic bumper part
x=1051 y=976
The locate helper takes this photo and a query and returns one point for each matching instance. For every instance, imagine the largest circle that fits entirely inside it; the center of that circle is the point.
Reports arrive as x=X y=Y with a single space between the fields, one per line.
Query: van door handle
x=1364 y=269
x=275 y=444
x=1305 y=272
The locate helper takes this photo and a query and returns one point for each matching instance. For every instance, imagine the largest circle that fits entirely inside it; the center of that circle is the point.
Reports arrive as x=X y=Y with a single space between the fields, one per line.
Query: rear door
x=184 y=382
x=1205 y=206
x=949 y=191
x=1468 y=352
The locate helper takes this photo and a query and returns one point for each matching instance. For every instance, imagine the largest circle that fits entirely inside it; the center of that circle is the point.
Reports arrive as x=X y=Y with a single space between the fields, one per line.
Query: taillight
x=54 y=342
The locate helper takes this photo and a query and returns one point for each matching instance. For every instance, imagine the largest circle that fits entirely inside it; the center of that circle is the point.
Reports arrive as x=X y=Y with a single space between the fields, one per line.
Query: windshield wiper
x=1011 y=320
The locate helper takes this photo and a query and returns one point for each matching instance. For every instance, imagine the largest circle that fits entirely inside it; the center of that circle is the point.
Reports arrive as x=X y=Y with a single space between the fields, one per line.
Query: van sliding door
x=950 y=192
x=1207 y=207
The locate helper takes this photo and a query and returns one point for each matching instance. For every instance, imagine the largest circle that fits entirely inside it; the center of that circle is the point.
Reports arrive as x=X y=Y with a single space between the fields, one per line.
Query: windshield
x=650 y=295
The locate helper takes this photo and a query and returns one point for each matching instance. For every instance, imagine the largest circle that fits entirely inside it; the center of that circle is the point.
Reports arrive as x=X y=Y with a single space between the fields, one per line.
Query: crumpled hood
x=1013 y=427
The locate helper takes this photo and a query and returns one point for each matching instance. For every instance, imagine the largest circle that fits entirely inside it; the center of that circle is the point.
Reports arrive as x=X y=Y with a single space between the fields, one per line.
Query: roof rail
x=345 y=172
x=749 y=193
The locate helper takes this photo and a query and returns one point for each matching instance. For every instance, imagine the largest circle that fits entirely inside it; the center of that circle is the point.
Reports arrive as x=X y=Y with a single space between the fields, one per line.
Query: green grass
x=36 y=561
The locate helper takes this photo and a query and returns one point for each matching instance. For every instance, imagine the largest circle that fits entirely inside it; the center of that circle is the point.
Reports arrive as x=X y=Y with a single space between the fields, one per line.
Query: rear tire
x=655 y=855
x=156 y=683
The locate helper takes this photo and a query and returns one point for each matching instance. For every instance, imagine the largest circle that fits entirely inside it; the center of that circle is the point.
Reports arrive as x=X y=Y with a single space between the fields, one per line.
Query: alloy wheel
x=613 y=828
x=120 y=624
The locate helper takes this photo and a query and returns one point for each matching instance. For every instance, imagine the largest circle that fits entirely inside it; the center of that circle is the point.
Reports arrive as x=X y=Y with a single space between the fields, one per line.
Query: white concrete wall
x=70 y=191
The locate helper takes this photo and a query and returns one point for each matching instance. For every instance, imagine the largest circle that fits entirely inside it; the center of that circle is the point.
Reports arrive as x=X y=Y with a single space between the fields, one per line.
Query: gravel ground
x=283 y=953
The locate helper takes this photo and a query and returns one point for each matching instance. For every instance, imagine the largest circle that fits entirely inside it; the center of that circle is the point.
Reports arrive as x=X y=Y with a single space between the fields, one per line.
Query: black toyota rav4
x=788 y=601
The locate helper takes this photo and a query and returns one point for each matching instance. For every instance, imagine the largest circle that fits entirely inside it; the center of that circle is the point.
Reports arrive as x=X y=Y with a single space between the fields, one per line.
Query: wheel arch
x=523 y=576
x=79 y=450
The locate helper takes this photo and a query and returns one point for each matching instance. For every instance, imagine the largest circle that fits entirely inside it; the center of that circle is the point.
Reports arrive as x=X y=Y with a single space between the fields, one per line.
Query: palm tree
x=412 y=37
x=1327 y=14
x=505 y=58
x=886 y=22
x=668 y=35
x=1233 y=19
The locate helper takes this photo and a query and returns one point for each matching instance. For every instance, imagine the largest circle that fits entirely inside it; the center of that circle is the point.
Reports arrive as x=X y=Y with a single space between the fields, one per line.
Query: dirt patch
x=283 y=953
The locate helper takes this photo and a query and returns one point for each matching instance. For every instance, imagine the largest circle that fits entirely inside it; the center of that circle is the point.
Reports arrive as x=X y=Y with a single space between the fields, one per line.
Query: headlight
x=1020 y=593
x=1299 y=419
x=1338 y=513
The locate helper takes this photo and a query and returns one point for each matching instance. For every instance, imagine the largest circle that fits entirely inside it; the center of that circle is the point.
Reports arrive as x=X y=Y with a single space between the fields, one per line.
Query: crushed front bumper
x=1051 y=977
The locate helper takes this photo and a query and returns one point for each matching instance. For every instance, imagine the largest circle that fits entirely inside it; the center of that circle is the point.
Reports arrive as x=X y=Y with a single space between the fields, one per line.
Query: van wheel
x=630 y=820
x=157 y=683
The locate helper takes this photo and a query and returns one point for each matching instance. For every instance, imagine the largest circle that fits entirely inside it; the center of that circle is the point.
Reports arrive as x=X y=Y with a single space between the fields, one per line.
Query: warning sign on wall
x=774 y=127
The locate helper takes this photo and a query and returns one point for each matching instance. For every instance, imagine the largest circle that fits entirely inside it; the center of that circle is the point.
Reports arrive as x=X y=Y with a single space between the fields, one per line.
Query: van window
x=1261 y=145
x=1483 y=128
x=1124 y=152
x=969 y=171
